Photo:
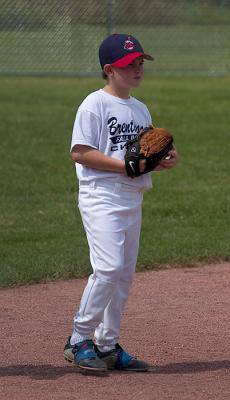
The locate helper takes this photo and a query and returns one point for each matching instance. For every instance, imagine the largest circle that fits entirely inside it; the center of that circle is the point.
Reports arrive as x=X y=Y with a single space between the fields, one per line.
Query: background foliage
x=50 y=37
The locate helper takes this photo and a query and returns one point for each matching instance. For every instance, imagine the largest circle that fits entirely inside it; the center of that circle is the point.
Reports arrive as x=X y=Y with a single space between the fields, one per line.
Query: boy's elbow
x=74 y=156
x=79 y=153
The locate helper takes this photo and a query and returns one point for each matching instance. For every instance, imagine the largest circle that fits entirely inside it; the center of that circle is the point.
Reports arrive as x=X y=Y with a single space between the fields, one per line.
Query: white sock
x=104 y=349
x=77 y=338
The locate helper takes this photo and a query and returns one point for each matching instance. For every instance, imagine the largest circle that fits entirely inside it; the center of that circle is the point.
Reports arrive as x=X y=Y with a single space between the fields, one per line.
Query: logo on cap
x=128 y=44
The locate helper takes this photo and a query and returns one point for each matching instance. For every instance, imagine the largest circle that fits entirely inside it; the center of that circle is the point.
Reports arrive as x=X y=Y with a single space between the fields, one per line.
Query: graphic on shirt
x=119 y=133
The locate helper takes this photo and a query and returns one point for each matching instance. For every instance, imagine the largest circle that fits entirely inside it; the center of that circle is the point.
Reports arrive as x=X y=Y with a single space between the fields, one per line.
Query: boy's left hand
x=169 y=161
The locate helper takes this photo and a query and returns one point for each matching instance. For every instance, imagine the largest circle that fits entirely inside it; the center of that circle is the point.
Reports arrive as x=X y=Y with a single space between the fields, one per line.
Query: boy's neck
x=123 y=93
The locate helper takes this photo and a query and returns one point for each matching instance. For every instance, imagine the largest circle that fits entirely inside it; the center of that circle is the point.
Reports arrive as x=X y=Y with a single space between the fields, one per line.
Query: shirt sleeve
x=86 y=130
x=150 y=119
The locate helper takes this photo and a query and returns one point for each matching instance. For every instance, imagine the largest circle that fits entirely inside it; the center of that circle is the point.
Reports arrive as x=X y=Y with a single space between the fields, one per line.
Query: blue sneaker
x=84 y=356
x=68 y=351
x=121 y=360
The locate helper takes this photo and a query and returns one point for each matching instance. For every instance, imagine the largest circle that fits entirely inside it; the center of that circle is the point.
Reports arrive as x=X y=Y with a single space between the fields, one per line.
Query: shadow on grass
x=50 y=372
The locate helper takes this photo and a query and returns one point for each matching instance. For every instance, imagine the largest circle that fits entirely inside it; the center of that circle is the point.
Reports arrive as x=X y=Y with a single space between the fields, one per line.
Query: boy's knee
x=110 y=274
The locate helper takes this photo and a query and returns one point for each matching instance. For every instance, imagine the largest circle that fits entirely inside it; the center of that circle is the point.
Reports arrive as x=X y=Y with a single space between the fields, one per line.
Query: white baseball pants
x=111 y=215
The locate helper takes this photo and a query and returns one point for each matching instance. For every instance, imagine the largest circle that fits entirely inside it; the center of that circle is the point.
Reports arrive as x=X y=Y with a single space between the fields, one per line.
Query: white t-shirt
x=105 y=122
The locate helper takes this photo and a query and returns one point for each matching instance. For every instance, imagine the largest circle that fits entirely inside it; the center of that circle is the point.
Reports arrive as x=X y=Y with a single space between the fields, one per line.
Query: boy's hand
x=169 y=161
x=147 y=150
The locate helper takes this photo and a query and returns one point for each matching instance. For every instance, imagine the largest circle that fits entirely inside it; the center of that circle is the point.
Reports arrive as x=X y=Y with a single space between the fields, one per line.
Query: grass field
x=185 y=216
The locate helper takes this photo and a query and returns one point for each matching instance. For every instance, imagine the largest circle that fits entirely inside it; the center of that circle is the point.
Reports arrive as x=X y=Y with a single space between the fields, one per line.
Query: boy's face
x=130 y=76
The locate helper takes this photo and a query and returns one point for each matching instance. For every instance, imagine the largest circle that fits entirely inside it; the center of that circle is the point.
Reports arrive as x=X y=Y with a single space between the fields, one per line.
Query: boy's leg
x=105 y=229
x=95 y=298
x=107 y=333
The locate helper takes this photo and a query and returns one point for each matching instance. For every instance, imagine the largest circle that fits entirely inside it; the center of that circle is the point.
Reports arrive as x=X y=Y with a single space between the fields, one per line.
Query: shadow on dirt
x=50 y=372
x=190 y=367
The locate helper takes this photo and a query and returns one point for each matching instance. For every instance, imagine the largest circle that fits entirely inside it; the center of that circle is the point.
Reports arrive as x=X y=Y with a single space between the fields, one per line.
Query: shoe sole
x=70 y=360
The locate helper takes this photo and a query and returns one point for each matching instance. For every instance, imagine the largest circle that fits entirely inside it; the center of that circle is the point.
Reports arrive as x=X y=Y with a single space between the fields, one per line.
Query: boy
x=110 y=204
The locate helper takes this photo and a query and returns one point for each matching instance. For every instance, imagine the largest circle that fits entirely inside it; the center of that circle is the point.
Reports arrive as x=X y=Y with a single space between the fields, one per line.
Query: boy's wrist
x=123 y=168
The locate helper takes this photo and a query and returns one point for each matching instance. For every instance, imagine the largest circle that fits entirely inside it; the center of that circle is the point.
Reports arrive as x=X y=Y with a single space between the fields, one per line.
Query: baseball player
x=110 y=204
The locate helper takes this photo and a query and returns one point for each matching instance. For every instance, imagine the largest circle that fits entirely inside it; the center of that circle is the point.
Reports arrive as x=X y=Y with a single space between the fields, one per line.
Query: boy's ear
x=108 y=69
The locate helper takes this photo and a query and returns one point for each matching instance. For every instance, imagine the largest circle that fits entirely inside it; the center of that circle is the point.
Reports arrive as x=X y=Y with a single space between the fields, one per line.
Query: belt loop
x=92 y=184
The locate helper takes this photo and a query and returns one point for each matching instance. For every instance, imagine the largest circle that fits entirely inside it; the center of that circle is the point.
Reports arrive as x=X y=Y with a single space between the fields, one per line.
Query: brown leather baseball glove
x=152 y=144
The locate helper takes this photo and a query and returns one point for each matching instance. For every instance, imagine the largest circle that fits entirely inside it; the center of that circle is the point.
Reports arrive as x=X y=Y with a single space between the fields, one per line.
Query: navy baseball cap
x=120 y=50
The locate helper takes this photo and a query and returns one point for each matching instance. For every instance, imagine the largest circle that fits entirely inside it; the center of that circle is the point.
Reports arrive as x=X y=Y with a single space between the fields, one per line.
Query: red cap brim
x=125 y=61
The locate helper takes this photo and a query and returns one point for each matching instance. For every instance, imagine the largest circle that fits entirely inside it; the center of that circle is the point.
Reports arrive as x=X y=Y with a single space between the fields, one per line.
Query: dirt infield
x=178 y=320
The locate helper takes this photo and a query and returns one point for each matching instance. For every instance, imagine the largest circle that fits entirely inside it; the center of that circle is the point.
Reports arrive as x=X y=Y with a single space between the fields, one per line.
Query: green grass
x=185 y=216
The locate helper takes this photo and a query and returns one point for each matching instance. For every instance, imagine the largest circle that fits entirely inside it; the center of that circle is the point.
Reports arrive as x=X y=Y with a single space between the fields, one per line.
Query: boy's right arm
x=93 y=158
